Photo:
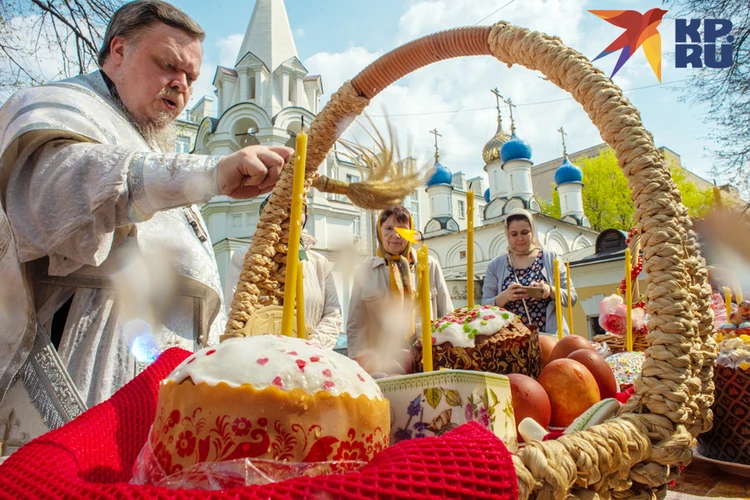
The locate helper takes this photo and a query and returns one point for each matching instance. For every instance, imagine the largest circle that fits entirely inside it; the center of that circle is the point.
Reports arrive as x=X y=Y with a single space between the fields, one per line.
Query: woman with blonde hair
x=526 y=265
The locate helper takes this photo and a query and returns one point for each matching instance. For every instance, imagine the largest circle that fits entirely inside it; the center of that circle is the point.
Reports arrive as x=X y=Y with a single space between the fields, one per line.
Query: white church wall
x=518 y=175
x=603 y=273
x=442 y=200
x=458 y=202
x=498 y=243
x=497 y=180
x=338 y=232
x=555 y=241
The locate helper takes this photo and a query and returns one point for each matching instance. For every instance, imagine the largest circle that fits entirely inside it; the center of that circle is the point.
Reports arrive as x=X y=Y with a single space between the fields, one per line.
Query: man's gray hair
x=133 y=18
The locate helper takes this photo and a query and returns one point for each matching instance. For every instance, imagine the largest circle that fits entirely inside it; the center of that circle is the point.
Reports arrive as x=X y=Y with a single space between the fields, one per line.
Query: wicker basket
x=637 y=454
x=616 y=343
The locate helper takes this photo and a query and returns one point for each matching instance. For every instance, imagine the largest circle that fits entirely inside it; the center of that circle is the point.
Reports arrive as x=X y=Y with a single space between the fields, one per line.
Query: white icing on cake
x=461 y=327
x=734 y=352
x=284 y=362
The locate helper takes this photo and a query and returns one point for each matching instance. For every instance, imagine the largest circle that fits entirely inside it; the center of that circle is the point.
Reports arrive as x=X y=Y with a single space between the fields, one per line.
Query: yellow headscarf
x=402 y=282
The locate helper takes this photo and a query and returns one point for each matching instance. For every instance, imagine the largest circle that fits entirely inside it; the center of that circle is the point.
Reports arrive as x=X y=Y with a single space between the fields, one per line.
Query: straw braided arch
x=637 y=454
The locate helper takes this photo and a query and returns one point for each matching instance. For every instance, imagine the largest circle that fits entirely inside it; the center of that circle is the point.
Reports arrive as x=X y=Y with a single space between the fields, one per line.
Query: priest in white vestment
x=102 y=220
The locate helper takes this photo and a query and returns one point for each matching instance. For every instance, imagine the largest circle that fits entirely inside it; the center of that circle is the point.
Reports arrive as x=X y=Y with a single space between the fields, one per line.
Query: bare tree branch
x=46 y=39
x=726 y=92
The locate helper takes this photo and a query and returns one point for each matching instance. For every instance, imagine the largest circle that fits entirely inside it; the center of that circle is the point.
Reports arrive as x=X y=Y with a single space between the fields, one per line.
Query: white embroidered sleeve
x=72 y=201
x=163 y=181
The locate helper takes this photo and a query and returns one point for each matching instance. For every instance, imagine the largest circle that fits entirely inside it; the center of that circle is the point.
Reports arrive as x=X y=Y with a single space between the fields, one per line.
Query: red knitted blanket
x=92 y=457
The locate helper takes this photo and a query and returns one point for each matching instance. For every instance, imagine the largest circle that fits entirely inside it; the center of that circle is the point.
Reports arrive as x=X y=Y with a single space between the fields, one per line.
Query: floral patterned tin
x=430 y=404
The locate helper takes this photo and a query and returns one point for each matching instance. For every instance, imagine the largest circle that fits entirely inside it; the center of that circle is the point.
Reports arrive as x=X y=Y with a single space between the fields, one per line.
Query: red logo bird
x=640 y=29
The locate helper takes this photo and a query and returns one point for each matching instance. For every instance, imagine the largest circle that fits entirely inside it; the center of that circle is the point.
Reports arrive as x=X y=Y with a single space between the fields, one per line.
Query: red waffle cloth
x=92 y=458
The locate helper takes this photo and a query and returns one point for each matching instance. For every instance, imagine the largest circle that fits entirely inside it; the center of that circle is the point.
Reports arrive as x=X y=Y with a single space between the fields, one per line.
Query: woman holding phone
x=521 y=280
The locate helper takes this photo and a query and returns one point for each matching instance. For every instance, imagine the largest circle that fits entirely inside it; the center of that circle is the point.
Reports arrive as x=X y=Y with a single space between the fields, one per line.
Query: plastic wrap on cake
x=210 y=476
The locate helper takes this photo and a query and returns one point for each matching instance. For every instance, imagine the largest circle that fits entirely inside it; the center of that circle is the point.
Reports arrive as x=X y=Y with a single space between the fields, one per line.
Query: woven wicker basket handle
x=262 y=279
x=637 y=454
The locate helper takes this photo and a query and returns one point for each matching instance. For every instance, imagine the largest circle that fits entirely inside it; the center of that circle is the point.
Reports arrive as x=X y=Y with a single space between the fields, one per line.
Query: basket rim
x=653 y=427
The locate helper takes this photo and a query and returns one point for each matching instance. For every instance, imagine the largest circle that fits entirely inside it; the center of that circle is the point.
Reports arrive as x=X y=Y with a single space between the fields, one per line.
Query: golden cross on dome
x=563 y=134
x=436 y=134
x=512 y=121
x=497 y=100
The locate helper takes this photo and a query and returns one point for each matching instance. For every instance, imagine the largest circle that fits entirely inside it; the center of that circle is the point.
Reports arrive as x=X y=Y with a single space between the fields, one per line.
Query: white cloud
x=559 y=17
x=416 y=104
x=336 y=68
x=229 y=47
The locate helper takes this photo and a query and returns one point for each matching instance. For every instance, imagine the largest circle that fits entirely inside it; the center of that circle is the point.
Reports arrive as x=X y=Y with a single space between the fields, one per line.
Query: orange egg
x=568 y=344
x=599 y=368
x=546 y=344
x=571 y=388
x=529 y=400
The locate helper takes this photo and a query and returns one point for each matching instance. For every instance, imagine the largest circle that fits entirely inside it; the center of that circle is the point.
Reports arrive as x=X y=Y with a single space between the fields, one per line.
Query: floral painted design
x=351 y=450
x=283 y=444
x=241 y=426
x=197 y=439
x=163 y=457
x=185 y=443
x=480 y=408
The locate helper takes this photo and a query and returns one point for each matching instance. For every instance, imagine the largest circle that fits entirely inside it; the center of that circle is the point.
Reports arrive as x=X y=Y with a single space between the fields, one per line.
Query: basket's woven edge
x=672 y=392
x=262 y=278
x=672 y=400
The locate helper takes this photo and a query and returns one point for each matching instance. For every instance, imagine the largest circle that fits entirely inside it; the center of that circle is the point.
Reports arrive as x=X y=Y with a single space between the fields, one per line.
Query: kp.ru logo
x=691 y=48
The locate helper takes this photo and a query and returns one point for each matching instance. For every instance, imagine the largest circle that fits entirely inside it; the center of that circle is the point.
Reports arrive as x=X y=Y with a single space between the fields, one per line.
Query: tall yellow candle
x=423 y=268
x=295 y=230
x=570 y=302
x=558 y=299
x=301 y=331
x=628 y=302
x=470 y=248
x=728 y=302
x=738 y=292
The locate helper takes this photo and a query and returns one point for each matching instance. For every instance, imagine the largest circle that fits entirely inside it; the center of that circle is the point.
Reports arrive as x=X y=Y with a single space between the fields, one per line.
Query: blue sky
x=337 y=38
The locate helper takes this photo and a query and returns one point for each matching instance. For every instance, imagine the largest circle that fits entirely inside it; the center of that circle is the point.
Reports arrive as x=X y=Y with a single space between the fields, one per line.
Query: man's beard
x=159 y=132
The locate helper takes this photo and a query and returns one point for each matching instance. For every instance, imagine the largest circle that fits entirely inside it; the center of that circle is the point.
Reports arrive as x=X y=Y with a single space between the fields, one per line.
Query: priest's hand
x=251 y=171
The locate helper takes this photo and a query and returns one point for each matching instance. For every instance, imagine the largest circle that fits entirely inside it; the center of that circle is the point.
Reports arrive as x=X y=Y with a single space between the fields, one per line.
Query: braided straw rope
x=638 y=453
x=616 y=343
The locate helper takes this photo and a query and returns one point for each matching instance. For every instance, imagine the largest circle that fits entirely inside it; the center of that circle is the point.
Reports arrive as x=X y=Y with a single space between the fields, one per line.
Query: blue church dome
x=515 y=149
x=567 y=173
x=487 y=195
x=439 y=175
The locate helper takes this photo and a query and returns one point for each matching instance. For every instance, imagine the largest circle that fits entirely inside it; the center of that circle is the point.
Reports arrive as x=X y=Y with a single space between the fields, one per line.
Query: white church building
x=261 y=100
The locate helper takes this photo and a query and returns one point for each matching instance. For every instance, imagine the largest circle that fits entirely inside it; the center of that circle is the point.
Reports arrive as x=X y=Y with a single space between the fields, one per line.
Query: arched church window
x=292 y=91
x=251 y=84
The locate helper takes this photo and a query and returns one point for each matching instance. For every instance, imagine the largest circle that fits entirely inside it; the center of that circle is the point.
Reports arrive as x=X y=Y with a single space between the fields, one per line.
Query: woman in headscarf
x=526 y=264
x=322 y=307
x=381 y=318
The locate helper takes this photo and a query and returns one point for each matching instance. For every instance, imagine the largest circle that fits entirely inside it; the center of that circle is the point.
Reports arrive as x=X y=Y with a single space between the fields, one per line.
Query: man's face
x=154 y=73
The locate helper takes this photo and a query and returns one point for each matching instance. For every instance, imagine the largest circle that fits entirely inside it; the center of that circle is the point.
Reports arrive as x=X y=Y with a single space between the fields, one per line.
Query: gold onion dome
x=491 y=150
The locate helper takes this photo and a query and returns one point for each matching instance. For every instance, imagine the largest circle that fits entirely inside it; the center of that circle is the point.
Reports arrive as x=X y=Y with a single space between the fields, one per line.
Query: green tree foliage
x=698 y=201
x=606 y=195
